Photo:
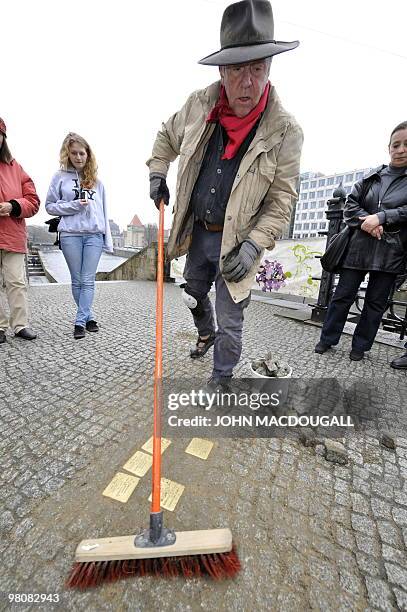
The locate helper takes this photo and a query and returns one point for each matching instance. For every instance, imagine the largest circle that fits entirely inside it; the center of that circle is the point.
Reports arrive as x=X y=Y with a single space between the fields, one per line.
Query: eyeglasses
x=256 y=69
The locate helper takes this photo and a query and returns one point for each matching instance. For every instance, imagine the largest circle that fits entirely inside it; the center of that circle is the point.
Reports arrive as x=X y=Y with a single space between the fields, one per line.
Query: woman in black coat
x=376 y=210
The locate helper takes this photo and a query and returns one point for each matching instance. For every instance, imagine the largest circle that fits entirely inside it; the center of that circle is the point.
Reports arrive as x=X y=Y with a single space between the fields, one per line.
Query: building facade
x=134 y=236
x=117 y=235
x=315 y=191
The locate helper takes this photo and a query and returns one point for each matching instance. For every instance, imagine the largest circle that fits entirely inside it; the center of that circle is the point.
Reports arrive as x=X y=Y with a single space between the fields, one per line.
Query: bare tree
x=150 y=233
x=40 y=234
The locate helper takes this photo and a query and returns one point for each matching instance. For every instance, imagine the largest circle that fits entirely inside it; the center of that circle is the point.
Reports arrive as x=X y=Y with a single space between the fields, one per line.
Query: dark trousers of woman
x=376 y=296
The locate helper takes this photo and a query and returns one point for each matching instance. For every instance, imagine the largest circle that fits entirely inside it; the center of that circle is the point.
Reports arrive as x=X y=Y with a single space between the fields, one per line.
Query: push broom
x=155 y=551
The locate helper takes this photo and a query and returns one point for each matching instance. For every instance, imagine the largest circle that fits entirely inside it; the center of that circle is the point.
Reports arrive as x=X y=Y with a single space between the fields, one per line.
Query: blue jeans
x=82 y=254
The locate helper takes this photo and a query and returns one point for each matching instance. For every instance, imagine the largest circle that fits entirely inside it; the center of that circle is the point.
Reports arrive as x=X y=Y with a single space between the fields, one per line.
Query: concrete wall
x=49 y=276
x=122 y=252
x=140 y=266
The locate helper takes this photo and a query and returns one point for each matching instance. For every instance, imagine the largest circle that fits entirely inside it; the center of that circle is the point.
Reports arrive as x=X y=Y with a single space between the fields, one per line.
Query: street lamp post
x=334 y=214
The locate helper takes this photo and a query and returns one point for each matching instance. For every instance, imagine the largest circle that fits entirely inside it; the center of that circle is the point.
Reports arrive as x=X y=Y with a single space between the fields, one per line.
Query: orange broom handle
x=158 y=374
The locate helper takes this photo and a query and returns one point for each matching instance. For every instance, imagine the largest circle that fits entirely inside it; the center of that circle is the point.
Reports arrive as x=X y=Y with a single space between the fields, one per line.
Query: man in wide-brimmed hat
x=237 y=178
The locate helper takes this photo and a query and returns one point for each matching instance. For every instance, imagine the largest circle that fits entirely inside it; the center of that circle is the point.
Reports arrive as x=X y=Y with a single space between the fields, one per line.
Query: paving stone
x=355 y=457
x=323 y=571
x=34 y=535
x=361 y=486
x=9 y=559
x=344 y=537
x=320 y=450
x=400 y=516
x=400 y=498
x=53 y=484
x=341 y=515
x=351 y=582
x=368 y=545
x=47 y=547
x=342 y=472
x=343 y=499
x=401 y=597
x=13 y=501
x=360 y=504
x=380 y=508
x=6 y=521
x=23 y=509
x=396 y=574
x=395 y=555
x=321 y=598
x=381 y=489
x=288 y=599
x=395 y=481
x=32 y=490
x=64 y=438
x=23 y=527
x=23 y=478
x=368 y=565
x=342 y=485
x=363 y=524
x=390 y=466
x=389 y=534
x=380 y=594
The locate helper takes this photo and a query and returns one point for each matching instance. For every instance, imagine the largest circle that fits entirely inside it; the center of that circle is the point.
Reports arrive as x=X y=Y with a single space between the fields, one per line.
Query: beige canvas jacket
x=265 y=186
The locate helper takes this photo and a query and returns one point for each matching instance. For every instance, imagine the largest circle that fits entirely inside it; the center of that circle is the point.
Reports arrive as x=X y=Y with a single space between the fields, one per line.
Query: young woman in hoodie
x=18 y=201
x=78 y=197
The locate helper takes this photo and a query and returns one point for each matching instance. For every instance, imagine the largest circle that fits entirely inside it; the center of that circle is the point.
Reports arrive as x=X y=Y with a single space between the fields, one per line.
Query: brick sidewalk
x=311 y=534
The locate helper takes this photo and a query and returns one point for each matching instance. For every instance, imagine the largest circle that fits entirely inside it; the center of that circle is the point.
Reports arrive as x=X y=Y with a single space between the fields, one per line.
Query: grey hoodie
x=63 y=199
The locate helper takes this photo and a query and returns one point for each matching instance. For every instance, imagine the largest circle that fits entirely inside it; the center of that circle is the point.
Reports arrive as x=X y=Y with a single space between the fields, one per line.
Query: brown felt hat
x=247 y=34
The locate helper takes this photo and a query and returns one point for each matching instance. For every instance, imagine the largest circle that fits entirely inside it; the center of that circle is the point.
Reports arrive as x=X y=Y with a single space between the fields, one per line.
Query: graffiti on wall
x=299 y=261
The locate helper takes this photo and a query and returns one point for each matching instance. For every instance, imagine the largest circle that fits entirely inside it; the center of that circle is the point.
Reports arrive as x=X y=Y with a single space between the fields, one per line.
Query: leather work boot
x=400 y=363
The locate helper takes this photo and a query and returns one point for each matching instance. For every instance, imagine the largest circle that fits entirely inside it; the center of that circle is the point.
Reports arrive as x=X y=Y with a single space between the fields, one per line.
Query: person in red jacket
x=18 y=201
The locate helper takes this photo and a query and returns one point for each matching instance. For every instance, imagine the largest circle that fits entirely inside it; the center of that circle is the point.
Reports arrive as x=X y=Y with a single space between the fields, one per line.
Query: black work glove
x=159 y=190
x=238 y=263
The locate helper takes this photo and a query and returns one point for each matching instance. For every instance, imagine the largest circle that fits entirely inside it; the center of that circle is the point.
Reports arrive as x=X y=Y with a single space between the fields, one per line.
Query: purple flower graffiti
x=271 y=276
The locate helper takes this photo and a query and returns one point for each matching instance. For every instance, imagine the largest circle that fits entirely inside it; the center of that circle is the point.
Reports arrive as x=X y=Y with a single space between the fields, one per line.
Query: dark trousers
x=201 y=269
x=376 y=296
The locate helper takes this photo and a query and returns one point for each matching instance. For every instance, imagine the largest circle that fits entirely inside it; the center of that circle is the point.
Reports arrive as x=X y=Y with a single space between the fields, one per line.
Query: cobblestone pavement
x=312 y=535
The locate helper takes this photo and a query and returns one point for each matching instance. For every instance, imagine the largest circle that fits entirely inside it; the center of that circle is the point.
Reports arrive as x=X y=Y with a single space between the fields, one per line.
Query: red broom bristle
x=217 y=566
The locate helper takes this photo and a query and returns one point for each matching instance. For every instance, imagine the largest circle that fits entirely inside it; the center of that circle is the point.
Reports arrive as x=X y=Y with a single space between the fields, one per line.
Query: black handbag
x=53 y=224
x=331 y=260
x=53 y=228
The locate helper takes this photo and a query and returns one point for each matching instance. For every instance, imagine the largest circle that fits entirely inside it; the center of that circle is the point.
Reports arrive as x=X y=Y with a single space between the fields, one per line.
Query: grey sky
x=113 y=71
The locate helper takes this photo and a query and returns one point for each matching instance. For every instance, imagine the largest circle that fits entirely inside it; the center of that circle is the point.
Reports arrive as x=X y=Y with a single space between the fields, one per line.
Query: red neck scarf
x=237 y=128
